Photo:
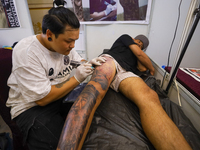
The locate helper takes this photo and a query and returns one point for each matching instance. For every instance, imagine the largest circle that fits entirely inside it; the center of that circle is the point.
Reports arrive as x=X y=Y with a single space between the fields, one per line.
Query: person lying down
x=162 y=133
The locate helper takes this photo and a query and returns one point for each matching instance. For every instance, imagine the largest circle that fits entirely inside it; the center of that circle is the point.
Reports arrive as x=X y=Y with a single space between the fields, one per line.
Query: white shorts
x=120 y=75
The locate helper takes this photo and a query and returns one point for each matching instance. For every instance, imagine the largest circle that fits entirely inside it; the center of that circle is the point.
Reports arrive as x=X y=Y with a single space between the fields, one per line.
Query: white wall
x=98 y=37
x=164 y=19
x=101 y=37
x=164 y=16
x=9 y=36
x=192 y=55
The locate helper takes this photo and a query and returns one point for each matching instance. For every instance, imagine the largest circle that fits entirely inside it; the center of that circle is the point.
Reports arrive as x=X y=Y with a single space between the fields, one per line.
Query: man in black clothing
x=121 y=52
x=128 y=57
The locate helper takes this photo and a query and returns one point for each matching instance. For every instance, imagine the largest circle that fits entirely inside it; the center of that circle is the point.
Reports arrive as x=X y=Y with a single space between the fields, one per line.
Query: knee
x=152 y=97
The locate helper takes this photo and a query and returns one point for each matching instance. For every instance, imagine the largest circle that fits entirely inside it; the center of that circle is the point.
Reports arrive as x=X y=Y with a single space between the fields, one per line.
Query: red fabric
x=6 y=66
x=192 y=85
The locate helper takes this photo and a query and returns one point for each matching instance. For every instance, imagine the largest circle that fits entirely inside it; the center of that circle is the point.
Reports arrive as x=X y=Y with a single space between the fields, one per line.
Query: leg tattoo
x=80 y=115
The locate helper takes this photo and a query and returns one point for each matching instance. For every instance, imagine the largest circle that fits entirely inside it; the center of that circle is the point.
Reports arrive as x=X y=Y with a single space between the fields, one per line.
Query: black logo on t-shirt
x=51 y=71
x=66 y=60
x=61 y=74
x=65 y=72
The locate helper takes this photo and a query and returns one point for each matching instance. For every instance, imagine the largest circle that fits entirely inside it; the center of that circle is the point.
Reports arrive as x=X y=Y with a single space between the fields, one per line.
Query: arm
x=106 y=12
x=97 y=15
x=142 y=58
x=113 y=12
x=81 y=114
x=141 y=67
x=58 y=91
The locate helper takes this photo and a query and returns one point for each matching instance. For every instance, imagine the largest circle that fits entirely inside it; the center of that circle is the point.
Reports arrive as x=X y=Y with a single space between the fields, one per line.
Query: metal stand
x=197 y=13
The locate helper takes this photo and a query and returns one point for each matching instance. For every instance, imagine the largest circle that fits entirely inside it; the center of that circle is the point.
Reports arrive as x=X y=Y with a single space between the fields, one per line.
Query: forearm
x=97 y=15
x=58 y=91
x=146 y=63
x=142 y=58
x=141 y=67
x=81 y=114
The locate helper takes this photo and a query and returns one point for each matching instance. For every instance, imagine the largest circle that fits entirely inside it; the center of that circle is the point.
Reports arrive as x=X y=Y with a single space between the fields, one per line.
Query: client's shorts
x=120 y=75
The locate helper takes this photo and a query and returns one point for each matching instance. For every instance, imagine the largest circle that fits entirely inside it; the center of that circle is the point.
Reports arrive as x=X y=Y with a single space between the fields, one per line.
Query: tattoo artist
x=41 y=77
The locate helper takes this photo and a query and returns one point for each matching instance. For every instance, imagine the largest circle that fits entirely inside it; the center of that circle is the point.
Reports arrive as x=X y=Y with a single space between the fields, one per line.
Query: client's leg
x=81 y=114
x=159 y=128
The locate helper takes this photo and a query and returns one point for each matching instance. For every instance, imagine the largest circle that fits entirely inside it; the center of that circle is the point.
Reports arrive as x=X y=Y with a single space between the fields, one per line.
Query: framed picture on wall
x=38 y=8
x=8 y=14
x=111 y=11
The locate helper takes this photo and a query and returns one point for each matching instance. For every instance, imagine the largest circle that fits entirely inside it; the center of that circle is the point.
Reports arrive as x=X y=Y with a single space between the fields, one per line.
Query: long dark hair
x=58 y=18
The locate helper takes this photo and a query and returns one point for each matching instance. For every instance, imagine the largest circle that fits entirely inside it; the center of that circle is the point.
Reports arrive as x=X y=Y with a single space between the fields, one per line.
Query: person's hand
x=97 y=61
x=152 y=71
x=83 y=71
x=113 y=12
x=109 y=8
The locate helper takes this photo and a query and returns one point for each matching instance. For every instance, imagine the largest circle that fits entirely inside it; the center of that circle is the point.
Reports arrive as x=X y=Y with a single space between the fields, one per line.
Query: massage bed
x=188 y=80
x=116 y=122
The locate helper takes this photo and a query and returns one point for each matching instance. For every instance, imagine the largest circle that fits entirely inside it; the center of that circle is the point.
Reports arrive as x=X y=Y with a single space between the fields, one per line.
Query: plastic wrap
x=116 y=124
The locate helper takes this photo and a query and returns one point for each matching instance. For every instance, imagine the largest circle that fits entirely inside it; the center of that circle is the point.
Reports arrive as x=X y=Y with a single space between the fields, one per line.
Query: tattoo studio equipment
x=197 y=13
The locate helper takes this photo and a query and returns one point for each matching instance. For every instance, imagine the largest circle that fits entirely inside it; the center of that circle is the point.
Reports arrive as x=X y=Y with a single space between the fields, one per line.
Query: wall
x=164 y=19
x=191 y=57
x=9 y=36
x=101 y=37
x=160 y=31
x=98 y=37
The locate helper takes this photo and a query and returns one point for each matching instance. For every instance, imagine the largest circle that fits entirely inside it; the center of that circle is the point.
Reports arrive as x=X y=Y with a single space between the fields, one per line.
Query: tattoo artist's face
x=65 y=42
x=139 y=43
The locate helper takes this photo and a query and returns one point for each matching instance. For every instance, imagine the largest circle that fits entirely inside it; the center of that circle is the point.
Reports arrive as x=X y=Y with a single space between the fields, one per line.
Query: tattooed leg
x=81 y=114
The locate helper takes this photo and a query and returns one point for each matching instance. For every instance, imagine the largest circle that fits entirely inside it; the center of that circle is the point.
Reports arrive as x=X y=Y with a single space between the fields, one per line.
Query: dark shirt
x=121 y=52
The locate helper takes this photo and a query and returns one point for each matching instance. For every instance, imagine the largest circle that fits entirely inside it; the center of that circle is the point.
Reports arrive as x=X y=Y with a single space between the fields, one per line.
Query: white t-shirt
x=35 y=69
